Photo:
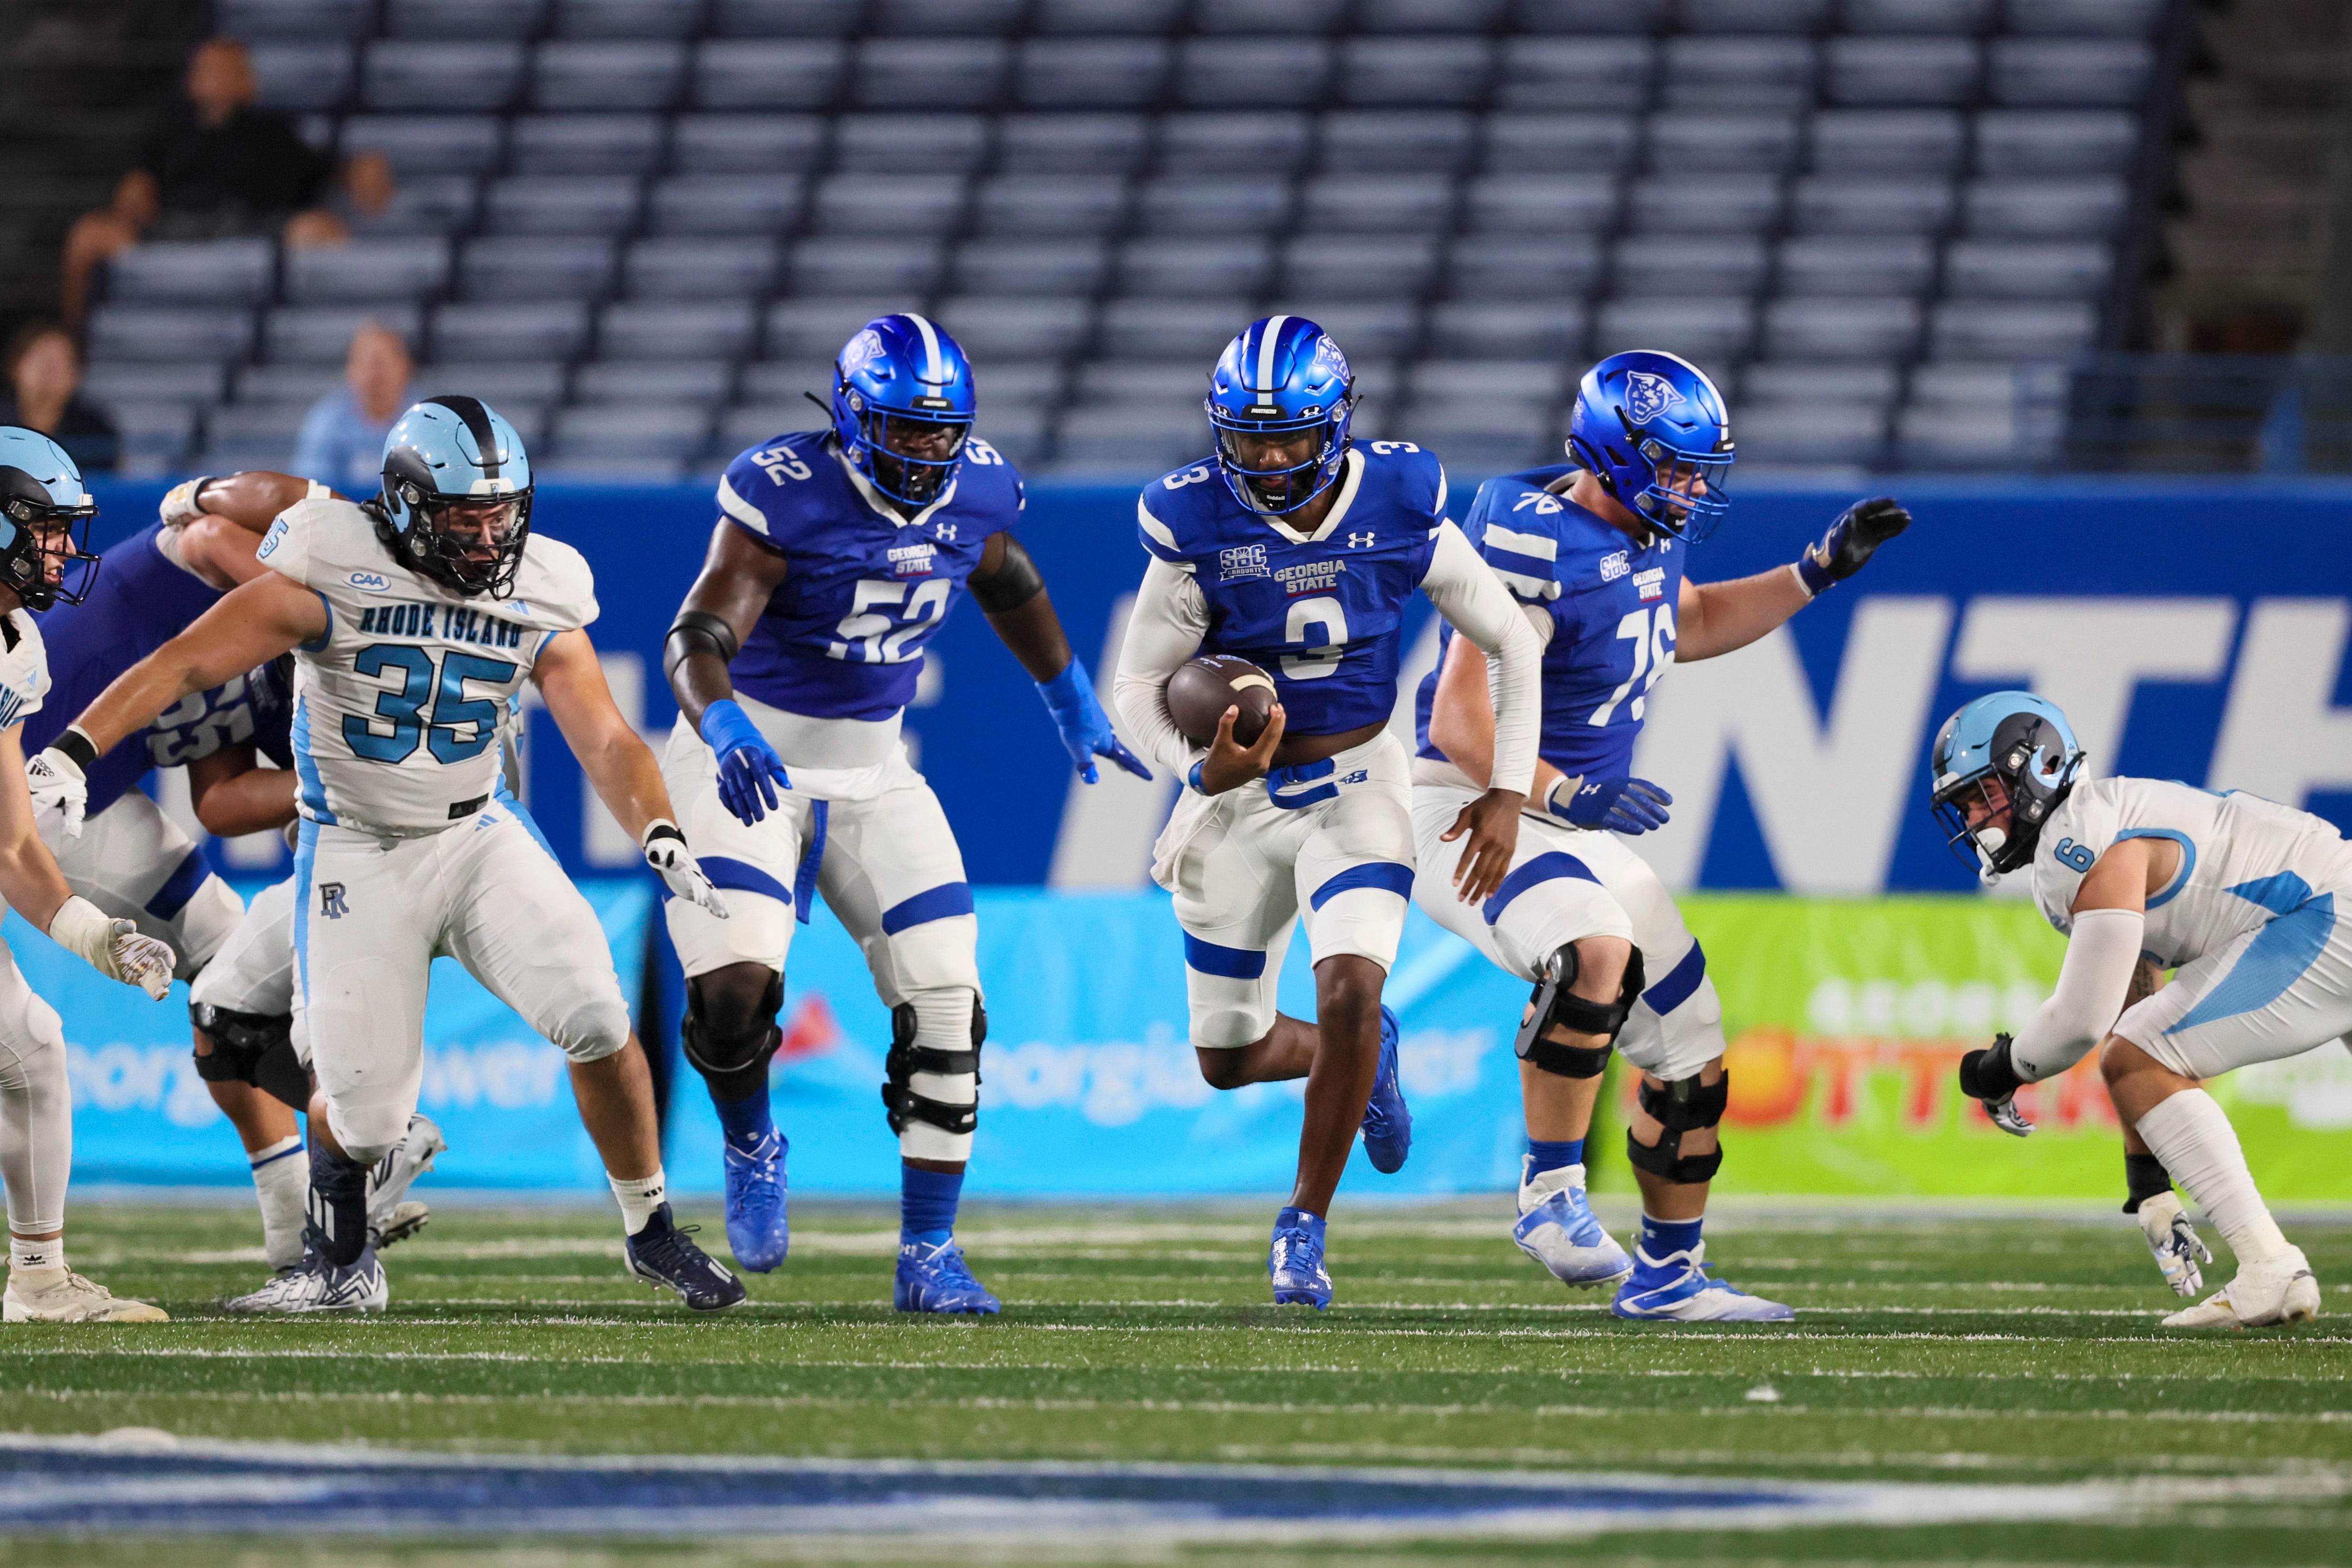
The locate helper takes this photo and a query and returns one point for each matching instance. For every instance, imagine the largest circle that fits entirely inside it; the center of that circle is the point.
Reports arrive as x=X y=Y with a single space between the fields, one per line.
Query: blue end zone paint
x=90 y=1485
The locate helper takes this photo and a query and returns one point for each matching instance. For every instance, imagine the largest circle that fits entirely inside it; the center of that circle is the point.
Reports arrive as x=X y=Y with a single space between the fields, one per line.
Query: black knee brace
x=1556 y=1004
x=908 y=1059
x=1683 y=1106
x=734 y=1065
x=252 y=1048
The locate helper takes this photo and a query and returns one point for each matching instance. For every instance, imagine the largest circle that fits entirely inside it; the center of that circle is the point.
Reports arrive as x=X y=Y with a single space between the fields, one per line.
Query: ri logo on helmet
x=1647 y=395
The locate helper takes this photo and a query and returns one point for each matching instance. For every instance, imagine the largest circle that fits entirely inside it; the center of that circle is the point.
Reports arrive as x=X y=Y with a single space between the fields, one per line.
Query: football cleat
x=405 y=1221
x=314 y=1285
x=758 y=1231
x=1556 y=1229
x=663 y=1254
x=2281 y=1289
x=2178 y=1247
x=62 y=1295
x=934 y=1277
x=389 y=1219
x=1294 y=1261
x=1388 y=1123
x=1678 y=1289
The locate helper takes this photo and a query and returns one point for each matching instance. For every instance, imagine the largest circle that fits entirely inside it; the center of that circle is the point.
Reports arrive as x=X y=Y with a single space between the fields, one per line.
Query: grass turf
x=2017 y=1350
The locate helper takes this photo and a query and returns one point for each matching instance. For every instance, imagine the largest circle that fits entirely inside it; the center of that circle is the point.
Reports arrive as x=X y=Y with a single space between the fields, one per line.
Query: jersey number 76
x=1652 y=633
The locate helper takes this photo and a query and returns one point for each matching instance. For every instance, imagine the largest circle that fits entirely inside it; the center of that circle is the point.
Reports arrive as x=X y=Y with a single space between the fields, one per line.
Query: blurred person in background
x=43 y=393
x=341 y=442
x=215 y=166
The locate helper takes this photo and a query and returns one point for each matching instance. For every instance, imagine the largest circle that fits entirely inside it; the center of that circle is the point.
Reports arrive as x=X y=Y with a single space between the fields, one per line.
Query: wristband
x=1811 y=573
x=1193 y=777
x=77 y=747
x=1567 y=784
x=659 y=827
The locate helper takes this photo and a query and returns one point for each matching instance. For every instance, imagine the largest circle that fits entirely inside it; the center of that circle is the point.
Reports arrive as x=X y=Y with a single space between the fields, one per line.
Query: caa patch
x=1647 y=395
x=371 y=582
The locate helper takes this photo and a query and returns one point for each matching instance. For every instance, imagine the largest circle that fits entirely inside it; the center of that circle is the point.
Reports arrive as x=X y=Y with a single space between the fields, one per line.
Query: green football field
x=2008 y=1350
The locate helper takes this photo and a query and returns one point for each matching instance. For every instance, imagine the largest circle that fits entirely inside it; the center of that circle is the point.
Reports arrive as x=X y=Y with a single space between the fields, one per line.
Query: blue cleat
x=1388 y=1123
x=1678 y=1289
x=1556 y=1229
x=934 y=1277
x=1295 y=1261
x=759 y=1230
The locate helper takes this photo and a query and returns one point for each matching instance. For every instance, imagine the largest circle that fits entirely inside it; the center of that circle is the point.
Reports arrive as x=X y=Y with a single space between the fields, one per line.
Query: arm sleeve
x=1474 y=600
x=1164 y=629
x=2101 y=957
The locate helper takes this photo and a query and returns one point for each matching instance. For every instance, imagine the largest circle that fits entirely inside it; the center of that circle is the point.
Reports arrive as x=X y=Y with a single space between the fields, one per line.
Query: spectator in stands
x=214 y=167
x=44 y=393
x=341 y=443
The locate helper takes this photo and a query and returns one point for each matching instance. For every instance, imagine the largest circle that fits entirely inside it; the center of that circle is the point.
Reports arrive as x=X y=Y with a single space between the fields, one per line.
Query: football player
x=2235 y=893
x=1596 y=550
x=416 y=618
x=837 y=554
x=120 y=851
x=45 y=516
x=1295 y=547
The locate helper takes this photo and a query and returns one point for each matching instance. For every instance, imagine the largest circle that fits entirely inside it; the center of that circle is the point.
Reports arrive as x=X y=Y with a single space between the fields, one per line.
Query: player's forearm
x=699 y=680
x=1163 y=630
x=252 y=499
x=1717 y=617
x=627 y=779
x=255 y=802
x=1033 y=634
x=2103 y=955
x=30 y=879
x=131 y=703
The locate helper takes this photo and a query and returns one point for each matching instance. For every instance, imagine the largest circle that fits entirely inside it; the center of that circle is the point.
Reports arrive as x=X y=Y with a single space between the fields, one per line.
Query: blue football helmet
x=1282 y=375
x=455 y=502
x=902 y=407
x=45 y=516
x=2025 y=742
x=1653 y=428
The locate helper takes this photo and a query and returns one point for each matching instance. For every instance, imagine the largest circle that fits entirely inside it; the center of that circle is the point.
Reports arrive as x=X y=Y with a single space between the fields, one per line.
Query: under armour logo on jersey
x=1647 y=395
x=945 y=530
x=1360 y=540
x=331 y=901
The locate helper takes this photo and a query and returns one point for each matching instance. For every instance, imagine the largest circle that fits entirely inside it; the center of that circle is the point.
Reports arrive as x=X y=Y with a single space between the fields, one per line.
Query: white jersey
x=399 y=708
x=24 y=670
x=2244 y=860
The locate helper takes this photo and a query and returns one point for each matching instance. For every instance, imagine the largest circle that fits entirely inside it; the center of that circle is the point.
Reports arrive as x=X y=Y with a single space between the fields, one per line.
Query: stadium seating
x=683 y=207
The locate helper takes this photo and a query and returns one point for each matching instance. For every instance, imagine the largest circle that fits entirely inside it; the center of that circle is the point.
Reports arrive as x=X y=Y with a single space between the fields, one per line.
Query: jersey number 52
x=867 y=632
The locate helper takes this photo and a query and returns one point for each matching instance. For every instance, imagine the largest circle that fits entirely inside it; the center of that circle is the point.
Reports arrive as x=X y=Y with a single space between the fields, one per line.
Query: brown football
x=1199 y=692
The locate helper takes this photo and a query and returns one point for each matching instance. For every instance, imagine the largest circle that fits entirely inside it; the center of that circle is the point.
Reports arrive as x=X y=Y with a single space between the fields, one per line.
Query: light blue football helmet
x=1284 y=373
x=1653 y=428
x=455 y=502
x=42 y=496
x=2025 y=742
x=902 y=407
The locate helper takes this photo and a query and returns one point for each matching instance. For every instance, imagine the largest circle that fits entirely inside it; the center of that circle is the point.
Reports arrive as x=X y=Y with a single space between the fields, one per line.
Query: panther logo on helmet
x=861 y=351
x=1647 y=395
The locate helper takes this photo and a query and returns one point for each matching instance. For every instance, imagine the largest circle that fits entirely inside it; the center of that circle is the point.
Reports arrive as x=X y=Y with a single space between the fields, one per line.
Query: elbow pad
x=698 y=631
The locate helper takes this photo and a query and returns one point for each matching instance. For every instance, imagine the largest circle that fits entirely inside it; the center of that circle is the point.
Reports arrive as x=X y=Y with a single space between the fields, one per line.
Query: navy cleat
x=758 y=1231
x=663 y=1254
x=934 y=1277
x=1387 y=1122
x=1678 y=1289
x=315 y=1285
x=1294 y=1261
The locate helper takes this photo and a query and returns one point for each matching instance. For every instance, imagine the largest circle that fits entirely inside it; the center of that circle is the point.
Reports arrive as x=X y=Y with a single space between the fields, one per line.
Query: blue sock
x=747 y=1121
x=1663 y=1237
x=1550 y=1156
x=927 y=1204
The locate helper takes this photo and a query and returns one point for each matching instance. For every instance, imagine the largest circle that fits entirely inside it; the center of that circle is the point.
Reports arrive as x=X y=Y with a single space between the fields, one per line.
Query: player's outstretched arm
x=35 y=887
x=618 y=763
x=251 y=500
x=1012 y=593
x=1713 y=618
x=739 y=576
x=233 y=794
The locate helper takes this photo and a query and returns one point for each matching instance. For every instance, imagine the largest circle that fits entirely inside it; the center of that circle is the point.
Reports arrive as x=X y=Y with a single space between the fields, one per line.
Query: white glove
x=179 y=504
x=666 y=853
x=114 y=948
x=2178 y=1247
x=57 y=779
x=2008 y=1117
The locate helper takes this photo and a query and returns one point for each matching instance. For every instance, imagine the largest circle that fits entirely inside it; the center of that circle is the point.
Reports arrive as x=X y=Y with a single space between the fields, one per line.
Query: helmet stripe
x=1265 y=347
x=934 y=371
x=477 y=416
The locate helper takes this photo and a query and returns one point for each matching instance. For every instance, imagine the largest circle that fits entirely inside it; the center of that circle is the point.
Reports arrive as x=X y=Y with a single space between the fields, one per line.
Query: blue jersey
x=1613 y=606
x=140 y=600
x=864 y=588
x=1323 y=615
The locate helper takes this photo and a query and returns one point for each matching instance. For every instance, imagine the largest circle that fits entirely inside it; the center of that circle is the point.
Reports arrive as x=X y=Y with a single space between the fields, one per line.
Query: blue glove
x=750 y=771
x=1621 y=805
x=1085 y=728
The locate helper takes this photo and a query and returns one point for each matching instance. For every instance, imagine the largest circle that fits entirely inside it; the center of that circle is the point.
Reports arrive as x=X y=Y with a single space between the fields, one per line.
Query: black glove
x=1989 y=1077
x=1852 y=540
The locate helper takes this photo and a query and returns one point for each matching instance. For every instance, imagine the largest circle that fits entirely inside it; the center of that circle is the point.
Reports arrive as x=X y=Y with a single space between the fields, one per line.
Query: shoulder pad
x=766 y=487
x=555 y=589
x=989 y=484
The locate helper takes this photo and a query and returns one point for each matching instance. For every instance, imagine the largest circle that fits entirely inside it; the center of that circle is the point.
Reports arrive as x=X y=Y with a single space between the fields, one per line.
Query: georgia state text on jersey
x=399 y=705
x=1320 y=613
x=865 y=589
x=1612 y=605
x=2243 y=859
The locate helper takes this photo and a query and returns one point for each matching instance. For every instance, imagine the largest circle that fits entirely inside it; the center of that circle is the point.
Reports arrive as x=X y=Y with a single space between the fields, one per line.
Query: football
x=1199 y=694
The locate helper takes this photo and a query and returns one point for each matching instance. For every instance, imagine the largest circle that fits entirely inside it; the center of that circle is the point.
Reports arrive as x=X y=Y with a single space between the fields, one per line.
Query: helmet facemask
x=55 y=534
x=470 y=544
x=910 y=456
x=1281 y=489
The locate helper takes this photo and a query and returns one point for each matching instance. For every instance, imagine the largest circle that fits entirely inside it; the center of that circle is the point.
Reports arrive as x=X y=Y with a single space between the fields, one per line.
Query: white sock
x=280 y=1178
x=639 y=1196
x=35 y=1255
x=2191 y=1134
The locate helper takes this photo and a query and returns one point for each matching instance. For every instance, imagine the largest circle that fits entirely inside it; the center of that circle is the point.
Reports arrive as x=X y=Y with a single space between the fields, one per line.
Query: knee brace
x=1683 y=1106
x=733 y=1061
x=907 y=1058
x=252 y=1048
x=1554 y=1003
x=336 y=1208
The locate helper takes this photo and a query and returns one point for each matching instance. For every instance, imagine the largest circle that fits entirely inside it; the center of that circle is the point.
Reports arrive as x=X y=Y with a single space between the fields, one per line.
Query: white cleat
x=1678 y=1289
x=310 y=1286
x=1556 y=1229
x=2280 y=1289
x=389 y=1219
x=61 y=1295
x=405 y=1221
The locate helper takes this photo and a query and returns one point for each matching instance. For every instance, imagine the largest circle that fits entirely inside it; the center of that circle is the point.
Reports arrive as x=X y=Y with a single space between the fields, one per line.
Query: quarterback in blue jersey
x=1596 y=551
x=837 y=555
x=1296 y=547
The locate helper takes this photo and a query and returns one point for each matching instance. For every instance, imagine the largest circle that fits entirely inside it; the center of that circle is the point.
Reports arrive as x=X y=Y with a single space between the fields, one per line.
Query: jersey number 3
x=456 y=728
x=1652 y=633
